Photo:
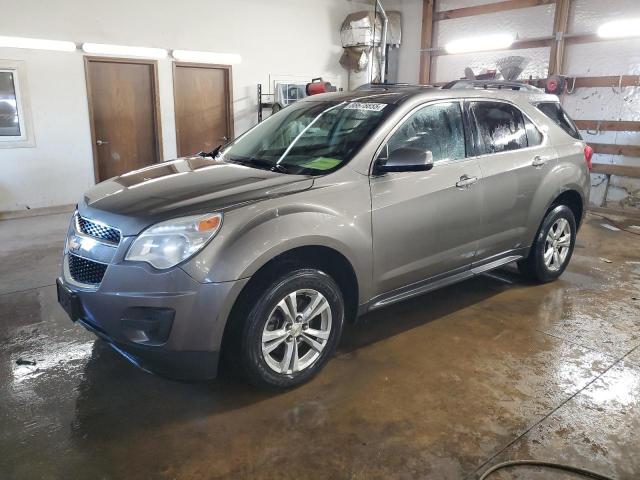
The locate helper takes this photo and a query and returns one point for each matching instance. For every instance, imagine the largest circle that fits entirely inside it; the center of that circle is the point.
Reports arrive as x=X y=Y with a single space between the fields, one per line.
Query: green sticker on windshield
x=322 y=163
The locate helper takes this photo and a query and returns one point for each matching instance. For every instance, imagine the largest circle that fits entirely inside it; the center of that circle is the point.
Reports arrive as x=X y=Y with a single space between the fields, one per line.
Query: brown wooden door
x=124 y=114
x=203 y=107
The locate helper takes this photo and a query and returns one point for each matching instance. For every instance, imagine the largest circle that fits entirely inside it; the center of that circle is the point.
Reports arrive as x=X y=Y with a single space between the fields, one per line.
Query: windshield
x=308 y=137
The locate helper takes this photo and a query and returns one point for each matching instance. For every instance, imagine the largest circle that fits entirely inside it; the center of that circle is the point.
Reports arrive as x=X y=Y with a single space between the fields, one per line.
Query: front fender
x=253 y=235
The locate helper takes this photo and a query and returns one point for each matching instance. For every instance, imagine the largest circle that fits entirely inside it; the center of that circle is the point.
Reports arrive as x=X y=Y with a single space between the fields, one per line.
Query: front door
x=124 y=115
x=203 y=107
x=426 y=223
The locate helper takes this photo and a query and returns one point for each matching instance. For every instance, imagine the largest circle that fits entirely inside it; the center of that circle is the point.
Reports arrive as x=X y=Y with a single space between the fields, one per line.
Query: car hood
x=185 y=186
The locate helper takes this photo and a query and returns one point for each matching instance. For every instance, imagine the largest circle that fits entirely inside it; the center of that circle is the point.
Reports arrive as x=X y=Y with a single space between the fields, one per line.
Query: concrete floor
x=438 y=387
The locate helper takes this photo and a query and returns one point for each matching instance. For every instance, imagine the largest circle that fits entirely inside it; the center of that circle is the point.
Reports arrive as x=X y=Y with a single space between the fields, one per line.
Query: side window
x=499 y=127
x=534 y=137
x=555 y=112
x=438 y=128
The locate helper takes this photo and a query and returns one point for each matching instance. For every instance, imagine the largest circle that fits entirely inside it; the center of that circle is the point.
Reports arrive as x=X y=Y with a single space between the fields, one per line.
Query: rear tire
x=292 y=329
x=552 y=247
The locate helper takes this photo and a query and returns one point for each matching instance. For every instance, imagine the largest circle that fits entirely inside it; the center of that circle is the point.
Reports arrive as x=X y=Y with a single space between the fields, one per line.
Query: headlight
x=168 y=243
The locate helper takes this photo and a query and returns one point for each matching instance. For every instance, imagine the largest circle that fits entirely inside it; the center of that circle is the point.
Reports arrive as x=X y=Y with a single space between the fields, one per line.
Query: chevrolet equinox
x=340 y=204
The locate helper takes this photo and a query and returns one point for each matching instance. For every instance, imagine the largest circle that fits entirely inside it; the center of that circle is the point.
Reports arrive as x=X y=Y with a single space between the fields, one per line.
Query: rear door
x=426 y=223
x=513 y=156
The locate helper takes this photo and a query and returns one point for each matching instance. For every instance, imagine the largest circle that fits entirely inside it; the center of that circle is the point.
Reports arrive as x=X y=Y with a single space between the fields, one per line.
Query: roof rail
x=390 y=86
x=487 y=84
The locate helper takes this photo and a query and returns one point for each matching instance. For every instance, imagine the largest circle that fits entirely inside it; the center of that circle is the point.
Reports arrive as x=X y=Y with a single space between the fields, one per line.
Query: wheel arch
x=572 y=199
x=570 y=195
x=324 y=258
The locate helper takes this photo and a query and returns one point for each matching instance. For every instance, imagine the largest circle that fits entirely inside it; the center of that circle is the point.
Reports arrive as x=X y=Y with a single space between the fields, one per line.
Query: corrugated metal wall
x=591 y=59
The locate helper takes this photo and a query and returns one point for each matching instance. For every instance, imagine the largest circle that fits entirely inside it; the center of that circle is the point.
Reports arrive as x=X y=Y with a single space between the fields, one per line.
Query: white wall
x=409 y=54
x=275 y=37
x=585 y=17
x=538 y=22
x=606 y=58
x=60 y=166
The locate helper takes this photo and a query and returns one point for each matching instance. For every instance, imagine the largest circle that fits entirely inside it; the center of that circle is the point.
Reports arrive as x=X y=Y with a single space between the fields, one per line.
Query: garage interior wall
x=300 y=38
x=304 y=42
x=610 y=58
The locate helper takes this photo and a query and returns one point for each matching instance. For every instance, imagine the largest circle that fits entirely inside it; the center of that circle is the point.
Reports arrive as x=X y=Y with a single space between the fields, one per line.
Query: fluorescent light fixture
x=206 y=57
x=480 y=44
x=37 y=44
x=125 y=51
x=620 y=28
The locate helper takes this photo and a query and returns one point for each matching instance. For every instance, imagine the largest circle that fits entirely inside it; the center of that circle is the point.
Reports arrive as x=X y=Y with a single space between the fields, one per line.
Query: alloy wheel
x=557 y=244
x=296 y=332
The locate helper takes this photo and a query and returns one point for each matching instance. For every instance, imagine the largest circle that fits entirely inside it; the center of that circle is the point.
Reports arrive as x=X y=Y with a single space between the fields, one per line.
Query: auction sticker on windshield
x=374 y=107
x=322 y=163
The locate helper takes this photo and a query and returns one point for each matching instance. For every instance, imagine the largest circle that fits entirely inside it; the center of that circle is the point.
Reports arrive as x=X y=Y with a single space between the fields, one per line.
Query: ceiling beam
x=607 y=81
x=426 y=41
x=608 y=125
x=560 y=24
x=490 y=8
x=517 y=45
x=573 y=38
x=609 y=149
x=619 y=170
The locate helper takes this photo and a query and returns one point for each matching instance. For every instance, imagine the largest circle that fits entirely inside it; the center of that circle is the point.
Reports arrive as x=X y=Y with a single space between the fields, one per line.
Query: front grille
x=97 y=230
x=86 y=271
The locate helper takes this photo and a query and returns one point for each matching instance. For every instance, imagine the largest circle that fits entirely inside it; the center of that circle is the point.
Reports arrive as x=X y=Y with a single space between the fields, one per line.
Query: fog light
x=147 y=325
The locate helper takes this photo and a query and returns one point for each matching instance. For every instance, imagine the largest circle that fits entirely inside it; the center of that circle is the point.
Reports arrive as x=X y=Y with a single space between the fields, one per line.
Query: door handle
x=538 y=161
x=465 y=181
x=101 y=142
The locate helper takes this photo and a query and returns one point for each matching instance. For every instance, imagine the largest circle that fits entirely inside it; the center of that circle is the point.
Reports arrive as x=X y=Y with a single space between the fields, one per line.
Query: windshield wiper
x=278 y=167
x=261 y=164
x=212 y=153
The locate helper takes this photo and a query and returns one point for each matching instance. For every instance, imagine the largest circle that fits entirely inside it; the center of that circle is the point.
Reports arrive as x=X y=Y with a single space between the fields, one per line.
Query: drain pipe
x=383 y=43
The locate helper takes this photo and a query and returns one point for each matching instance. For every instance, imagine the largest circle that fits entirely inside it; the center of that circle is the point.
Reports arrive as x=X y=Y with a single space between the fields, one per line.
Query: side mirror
x=406 y=160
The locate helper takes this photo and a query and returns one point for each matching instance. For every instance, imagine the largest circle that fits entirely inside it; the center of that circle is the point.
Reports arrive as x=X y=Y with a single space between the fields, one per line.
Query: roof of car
x=399 y=93
x=390 y=94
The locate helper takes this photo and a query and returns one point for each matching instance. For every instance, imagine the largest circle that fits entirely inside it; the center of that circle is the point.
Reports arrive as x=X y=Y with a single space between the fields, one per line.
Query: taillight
x=588 y=153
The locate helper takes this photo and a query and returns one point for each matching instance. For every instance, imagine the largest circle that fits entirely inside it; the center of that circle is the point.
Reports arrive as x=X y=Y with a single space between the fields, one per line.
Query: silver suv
x=339 y=204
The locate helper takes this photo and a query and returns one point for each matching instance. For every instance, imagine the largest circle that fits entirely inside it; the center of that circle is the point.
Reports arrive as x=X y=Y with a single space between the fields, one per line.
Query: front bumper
x=163 y=321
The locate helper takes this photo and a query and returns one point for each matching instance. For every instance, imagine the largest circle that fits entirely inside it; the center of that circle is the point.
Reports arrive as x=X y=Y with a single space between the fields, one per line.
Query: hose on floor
x=538 y=463
x=614 y=223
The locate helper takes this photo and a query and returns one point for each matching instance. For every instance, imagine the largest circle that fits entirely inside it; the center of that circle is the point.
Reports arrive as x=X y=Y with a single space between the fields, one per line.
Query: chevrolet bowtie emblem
x=75 y=242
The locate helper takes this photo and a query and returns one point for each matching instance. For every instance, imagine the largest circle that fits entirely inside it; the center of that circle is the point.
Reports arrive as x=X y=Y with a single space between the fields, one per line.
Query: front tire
x=292 y=329
x=552 y=247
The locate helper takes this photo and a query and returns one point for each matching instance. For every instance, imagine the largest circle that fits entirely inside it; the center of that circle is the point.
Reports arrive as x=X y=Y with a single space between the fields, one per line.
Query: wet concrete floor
x=440 y=387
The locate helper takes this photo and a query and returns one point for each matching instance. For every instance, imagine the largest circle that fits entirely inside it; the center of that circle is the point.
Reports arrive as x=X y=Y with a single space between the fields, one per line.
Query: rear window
x=556 y=113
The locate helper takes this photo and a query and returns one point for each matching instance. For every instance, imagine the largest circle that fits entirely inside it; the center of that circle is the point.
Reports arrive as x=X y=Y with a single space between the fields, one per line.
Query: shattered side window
x=499 y=127
x=437 y=128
